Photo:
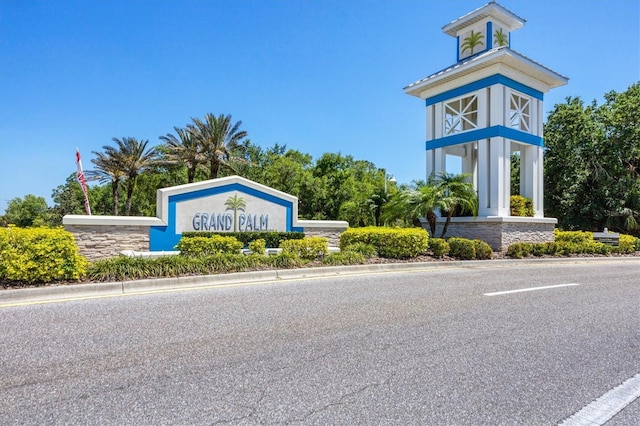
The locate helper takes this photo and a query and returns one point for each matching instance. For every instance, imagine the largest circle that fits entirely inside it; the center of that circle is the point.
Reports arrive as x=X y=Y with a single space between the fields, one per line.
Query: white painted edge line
x=521 y=290
x=608 y=405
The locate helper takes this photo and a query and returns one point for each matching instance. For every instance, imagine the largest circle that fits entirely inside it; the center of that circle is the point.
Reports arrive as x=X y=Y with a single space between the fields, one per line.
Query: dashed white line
x=608 y=405
x=521 y=290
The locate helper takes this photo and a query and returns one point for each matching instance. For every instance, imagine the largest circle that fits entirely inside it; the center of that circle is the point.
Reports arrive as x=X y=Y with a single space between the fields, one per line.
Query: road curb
x=89 y=290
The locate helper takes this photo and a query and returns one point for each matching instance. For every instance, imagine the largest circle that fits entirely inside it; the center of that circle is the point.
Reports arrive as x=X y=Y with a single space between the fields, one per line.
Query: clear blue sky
x=319 y=76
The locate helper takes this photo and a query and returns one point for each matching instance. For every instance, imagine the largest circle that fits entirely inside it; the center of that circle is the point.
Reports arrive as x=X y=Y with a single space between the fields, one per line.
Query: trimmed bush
x=207 y=246
x=307 y=248
x=395 y=243
x=258 y=246
x=366 y=250
x=439 y=247
x=519 y=250
x=578 y=237
x=626 y=244
x=39 y=255
x=521 y=206
x=462 y=248
x=483 y=250
x=344 y=258
x=637 y=244
x=272 y=238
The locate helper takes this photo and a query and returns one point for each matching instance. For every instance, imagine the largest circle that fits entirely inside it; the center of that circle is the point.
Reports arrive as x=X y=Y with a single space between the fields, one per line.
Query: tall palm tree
x=134 y=158
x=183 y=149
x=218 y=139
x=108 y=169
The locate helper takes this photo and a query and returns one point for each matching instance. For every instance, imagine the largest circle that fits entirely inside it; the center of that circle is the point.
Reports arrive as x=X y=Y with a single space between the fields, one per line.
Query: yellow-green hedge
x=207 y=246
x=306 y=248
x=396 y=243
x=39 y=255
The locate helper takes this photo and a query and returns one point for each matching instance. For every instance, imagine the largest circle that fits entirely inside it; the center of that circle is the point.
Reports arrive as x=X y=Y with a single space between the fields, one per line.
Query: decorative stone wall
x=103 y=241
x=100 y=237
x=331 y=234
x=500 y=232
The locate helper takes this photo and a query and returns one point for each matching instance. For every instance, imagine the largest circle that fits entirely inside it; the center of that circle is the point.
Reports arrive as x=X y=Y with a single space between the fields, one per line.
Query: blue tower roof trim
x=491 y=9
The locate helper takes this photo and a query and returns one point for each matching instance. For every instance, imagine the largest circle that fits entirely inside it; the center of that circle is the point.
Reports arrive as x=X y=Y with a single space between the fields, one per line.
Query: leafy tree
x=515 y=174
x=133 y=158
x=30 y=211
x=591 y=163
x=218 y=139
x=182 y=150
x=456 y=194
x=108 y=170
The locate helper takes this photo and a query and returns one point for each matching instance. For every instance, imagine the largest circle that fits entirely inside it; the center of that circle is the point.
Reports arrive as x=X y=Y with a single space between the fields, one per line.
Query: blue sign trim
x=489 y=35
x=489 y=132
x=165 y=238
x=481 y=84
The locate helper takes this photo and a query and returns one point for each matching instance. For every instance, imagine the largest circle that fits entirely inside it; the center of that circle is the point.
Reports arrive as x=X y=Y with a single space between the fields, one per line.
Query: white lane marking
x=608 y=405
x=520 y=290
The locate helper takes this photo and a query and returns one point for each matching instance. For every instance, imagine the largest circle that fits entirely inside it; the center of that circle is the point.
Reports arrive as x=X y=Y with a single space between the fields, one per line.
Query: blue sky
x=319 y=76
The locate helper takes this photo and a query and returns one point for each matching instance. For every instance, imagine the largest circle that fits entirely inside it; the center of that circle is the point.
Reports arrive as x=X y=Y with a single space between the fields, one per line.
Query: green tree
x=28 y=211
x=183 y=149
x=456 y=196
x=591 y=163
x=134 y=158
x=108 y=169
x=218 y=139
x=472 y=41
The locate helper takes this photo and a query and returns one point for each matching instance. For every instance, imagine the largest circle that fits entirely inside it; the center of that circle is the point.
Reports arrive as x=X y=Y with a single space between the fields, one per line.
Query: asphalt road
x=424 y=347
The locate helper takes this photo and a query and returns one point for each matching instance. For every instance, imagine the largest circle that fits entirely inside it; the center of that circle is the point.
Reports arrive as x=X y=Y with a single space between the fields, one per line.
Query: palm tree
x=183 y=149
x=235 y=203
x=218 y=140
x=108 y=169
x=455 y=193
x=470 y=42
x=134 y=158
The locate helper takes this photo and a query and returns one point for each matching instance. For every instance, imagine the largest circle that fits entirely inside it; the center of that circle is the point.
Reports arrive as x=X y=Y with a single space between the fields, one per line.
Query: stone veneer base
x=500 y=232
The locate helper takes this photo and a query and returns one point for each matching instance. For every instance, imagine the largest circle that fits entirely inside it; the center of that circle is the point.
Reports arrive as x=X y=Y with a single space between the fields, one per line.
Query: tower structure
x=485 y=107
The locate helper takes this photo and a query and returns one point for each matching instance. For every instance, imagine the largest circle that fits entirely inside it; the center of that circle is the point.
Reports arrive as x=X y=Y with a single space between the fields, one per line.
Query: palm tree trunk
x=446 y=223
x=129 y=196
x=432 y=219
x=114 y=193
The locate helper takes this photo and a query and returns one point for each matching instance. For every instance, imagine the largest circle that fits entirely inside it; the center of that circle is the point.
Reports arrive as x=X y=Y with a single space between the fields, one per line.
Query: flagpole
x=83 y=182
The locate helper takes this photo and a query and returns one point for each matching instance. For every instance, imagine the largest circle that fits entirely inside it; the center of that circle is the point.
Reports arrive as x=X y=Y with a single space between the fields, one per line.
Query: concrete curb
x=79 y=291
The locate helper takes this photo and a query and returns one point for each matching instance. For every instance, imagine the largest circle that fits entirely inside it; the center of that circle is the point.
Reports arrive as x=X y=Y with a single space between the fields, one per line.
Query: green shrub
x=39 y=255
x=258 y=246
x=272 y=238
x=344 y=258
x=307 y=248
x=206 y=246
x=462 y=248
x=439 y=247
x=636 y=245
x=396 y=243
x=483 y=250
x=367 y=250
x=578 y=237
x=285 y=261
x=519 y=250
x=521 y=206
x=626 y=244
